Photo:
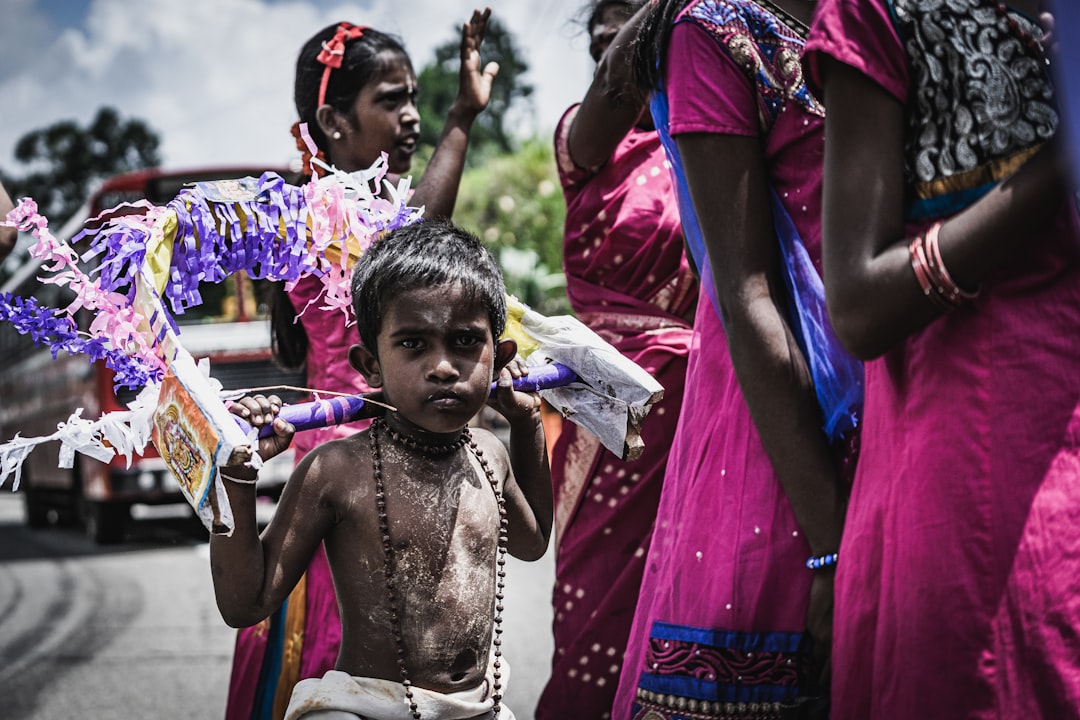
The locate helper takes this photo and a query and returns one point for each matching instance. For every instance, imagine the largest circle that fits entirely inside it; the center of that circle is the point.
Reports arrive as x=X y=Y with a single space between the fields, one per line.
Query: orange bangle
x=922 y=274
x=948 y=288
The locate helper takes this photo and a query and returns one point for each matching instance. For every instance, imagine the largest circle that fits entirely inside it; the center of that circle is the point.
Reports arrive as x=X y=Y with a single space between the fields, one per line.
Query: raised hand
x=513 y=404
x=474 y=84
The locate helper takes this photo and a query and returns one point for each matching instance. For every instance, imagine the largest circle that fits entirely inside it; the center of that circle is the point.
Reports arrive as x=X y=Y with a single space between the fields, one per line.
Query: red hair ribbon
x=333 y=52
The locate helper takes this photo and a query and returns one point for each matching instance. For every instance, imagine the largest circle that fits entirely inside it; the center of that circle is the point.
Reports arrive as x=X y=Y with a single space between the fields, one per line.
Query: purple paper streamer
x=59 y=332
x=210 y=244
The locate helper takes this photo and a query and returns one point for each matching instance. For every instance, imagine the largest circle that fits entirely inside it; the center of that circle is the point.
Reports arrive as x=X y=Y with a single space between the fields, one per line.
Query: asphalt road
x=132 y=631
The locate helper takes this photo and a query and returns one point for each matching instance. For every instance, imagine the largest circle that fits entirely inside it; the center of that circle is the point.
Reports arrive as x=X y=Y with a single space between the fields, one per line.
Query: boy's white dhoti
x=340 y=696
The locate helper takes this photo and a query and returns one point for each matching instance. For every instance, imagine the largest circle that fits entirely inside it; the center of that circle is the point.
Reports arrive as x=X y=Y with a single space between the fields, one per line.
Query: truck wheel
x=37 y=508
x=105 y=522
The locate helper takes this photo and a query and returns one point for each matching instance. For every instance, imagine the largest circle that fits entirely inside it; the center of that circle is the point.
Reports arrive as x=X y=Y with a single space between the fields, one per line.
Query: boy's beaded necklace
x=426 y=448
x=388 y=550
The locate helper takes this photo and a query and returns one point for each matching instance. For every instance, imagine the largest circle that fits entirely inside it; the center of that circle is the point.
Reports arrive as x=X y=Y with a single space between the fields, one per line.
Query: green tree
x=514 y=204
x=509 y=194
x=438 y=83
x=67 y=160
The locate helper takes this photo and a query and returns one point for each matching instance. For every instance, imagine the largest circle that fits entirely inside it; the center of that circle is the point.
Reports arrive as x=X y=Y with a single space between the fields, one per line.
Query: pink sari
x=301 y=639
x=628 y=279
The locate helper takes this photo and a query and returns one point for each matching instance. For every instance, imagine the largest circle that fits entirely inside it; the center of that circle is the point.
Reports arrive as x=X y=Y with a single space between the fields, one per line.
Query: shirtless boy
x=409 y=509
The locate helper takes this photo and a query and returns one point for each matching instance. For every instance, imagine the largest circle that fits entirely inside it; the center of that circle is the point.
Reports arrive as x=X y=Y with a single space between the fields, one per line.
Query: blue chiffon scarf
x=837 y=376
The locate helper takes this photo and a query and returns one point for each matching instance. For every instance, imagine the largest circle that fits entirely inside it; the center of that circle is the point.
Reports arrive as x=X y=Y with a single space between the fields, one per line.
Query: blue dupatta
x=837 y=376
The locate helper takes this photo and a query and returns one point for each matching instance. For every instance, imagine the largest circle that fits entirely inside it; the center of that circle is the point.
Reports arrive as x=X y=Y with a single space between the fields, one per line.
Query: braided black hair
x=652 y=43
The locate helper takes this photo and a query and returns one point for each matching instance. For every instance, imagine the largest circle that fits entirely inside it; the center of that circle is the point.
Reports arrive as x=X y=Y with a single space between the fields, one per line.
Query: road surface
x=132 y=631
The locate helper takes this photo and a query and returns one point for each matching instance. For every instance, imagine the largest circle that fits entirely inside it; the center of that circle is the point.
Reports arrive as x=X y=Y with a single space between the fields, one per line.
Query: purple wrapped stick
x=321 y=413
x=542 y=377
x=314 y=414
x=347 y=408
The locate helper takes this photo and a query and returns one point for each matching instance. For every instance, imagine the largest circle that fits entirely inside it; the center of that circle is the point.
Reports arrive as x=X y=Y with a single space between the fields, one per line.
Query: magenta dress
x=300 y=640
x=719 y=627
x=628 y=279
x=958 y=587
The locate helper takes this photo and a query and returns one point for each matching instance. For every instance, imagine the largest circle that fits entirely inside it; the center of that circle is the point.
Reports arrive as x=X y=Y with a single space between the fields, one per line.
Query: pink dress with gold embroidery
x=719 y=627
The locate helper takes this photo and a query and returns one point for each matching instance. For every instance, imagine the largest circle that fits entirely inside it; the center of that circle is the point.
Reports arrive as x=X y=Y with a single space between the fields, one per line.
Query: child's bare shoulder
x=492 y=447
x=339 y=465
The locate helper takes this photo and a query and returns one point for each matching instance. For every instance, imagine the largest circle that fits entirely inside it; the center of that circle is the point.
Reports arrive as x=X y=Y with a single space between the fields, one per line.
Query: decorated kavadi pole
x=150 y=261
x=349 y=408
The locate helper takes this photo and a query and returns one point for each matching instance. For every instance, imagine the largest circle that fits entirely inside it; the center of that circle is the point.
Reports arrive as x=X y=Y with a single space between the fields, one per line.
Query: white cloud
x=214 y=77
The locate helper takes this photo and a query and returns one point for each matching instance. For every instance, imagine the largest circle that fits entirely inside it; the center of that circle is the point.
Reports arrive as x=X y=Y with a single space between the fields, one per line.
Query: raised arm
x=735 y=217
x=612 y=105
x=438 y=188
x=874 y=298
x=253 y=575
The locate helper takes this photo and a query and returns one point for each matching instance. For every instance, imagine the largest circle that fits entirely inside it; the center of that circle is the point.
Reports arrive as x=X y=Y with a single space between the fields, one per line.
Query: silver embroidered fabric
x=978 y=93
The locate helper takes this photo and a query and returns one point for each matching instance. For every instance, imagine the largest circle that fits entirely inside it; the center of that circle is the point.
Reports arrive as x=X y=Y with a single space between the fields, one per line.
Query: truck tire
x=37 y=508
x=105 y=522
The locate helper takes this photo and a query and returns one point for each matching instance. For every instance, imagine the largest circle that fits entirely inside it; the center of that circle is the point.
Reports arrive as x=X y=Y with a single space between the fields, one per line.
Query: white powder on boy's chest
x=438 y=512
x=444 y=527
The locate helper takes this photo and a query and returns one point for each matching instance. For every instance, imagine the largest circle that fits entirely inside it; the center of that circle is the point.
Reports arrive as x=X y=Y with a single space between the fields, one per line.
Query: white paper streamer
x=614 y=394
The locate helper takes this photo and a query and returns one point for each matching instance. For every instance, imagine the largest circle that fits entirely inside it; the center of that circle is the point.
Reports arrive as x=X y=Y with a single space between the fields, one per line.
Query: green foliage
x=438 y=84
x=509 y=194
x=67 y=160
x=514 y=203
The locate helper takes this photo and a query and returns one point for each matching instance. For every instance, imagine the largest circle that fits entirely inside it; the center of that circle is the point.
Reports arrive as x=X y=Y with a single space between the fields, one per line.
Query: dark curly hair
x=424 y=255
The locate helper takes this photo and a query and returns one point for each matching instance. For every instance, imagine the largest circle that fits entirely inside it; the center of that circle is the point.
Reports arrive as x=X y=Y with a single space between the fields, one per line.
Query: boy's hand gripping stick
x=349 y=408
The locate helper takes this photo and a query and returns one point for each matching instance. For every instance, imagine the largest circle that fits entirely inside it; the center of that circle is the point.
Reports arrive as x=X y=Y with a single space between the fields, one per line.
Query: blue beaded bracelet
x=817 y=563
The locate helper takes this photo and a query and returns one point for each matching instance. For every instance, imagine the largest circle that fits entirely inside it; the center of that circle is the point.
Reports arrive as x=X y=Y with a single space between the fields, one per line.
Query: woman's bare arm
x=733 y=208
x=736 y=221
x=873 y=296
x=612 y=105
x=438 y=188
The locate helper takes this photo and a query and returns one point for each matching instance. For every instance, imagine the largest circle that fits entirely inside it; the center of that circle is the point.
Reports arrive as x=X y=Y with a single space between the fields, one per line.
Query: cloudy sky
x=214 y=77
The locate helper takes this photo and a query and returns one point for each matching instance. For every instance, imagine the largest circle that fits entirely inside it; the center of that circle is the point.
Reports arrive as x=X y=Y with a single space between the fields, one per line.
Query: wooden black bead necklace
x=426 y=448
x=388 y=550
